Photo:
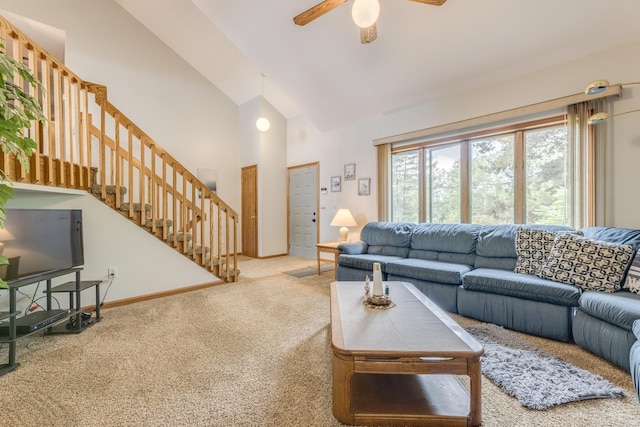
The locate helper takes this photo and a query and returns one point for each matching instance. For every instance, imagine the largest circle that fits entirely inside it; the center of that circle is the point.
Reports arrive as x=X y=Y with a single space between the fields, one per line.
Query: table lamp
x=343 y=219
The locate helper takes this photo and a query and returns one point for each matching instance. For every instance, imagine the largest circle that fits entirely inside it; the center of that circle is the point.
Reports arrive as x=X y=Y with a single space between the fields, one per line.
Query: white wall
x=145 y=265
x=355 y=143
x=333 y=150
x=267 y=150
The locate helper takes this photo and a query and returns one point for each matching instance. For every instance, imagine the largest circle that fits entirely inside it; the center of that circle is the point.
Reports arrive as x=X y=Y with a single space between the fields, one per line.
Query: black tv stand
x=49 y=324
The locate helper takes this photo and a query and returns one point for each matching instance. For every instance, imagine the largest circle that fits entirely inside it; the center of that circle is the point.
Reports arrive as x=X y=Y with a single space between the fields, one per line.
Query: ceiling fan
x=364 y=12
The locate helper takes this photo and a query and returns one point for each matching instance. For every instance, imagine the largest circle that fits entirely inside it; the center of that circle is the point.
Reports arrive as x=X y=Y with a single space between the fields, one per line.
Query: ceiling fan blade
x=431 y=2
x=316 y=11
x=367 y=35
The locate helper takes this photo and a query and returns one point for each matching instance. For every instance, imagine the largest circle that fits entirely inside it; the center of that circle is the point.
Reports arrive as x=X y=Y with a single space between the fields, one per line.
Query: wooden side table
x=329 y=247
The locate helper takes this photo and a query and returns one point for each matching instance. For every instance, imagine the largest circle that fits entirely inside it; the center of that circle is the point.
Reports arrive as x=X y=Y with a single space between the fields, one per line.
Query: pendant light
x=263 y=123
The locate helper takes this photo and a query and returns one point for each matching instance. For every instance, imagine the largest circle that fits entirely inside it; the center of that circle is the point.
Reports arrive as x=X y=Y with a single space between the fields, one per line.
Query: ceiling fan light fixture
x=365 y=13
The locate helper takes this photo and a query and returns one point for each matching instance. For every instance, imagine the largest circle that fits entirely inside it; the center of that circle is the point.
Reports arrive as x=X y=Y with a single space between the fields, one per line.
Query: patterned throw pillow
x=588 y=264
x=633 y=276
x=533 y=247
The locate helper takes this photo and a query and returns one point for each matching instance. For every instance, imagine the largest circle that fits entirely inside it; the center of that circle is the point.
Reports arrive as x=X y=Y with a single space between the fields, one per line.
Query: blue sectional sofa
x=515 y=276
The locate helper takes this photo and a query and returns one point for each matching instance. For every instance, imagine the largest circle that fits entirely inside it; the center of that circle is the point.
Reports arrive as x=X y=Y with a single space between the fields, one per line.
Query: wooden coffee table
x=400 y=366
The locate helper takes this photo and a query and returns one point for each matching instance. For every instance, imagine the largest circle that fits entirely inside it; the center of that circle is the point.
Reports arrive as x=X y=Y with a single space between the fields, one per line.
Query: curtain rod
x=503 y=115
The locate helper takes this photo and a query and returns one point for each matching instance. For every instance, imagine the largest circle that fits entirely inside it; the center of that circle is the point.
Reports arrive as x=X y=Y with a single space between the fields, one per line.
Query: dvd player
x=34 y=321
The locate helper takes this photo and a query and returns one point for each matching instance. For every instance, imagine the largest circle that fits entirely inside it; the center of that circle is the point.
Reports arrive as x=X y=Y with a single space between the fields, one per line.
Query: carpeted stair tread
x=137 y=207
x=159 y=223
x=180 y=237
x=110 y=189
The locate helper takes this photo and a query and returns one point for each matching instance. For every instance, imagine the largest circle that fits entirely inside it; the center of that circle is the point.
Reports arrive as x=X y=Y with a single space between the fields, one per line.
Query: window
x=443 y=189
x=518 y=174
x=405 y=186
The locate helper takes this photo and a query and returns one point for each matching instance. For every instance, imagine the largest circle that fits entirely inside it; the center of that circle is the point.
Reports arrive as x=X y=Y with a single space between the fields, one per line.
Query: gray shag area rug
x=537 y=379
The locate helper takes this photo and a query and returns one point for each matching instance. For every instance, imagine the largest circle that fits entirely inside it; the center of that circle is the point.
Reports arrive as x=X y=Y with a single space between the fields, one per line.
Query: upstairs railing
x=86 y=136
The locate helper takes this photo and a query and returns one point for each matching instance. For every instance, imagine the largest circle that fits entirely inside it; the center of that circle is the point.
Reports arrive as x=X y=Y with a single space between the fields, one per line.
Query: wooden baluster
x=185 y=212
x=34 y=131
x=102 y=150
x=142 y=175
x=131 y=184
x=219 y=273
x=58 y=138
x=175 y=206
x=68 y=131
x=235 y=248
x=154 y=193
x=165 y=206
x=17 y=55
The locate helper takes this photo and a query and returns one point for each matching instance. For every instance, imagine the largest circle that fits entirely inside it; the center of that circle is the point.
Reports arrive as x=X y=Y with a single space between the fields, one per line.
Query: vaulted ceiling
x=422 y=52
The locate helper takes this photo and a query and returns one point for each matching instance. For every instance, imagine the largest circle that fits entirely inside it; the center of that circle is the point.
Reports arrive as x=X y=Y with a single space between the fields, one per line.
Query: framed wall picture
x=364 y=186
x=336 y=183
x=350 y=172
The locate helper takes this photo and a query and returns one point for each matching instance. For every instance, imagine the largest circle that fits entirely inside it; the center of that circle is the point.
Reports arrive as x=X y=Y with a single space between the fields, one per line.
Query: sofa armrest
x=354 y=248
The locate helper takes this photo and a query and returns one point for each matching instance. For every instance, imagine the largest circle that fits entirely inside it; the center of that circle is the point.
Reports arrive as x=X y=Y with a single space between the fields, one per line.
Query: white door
x=303 y=211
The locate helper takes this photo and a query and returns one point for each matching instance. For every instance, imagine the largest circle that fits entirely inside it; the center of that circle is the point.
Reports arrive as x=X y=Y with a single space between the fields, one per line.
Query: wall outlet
x=112 y=272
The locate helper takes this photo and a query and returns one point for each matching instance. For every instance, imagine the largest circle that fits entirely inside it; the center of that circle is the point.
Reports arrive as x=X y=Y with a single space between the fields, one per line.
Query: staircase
x=88 y=144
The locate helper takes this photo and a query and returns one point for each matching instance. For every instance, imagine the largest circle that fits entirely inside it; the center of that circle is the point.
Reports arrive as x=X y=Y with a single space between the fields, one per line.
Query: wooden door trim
x=289 y=169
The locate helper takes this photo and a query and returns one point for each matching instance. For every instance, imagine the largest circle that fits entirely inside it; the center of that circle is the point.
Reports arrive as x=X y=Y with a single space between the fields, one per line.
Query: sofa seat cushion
x=619 y=308
x=365 y=261
x=429 y=271
x=520 y=286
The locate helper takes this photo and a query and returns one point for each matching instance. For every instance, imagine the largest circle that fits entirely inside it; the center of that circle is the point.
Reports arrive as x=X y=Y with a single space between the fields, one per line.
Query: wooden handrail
x=72 y=147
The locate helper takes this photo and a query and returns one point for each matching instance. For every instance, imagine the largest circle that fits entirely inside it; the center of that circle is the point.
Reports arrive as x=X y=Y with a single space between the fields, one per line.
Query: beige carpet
x=253 y=353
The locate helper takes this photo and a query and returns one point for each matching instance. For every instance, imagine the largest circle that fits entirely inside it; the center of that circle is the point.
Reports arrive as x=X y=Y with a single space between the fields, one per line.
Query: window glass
x=405 y=186
x=492 y=180
x=443 y=184
x=547 y=179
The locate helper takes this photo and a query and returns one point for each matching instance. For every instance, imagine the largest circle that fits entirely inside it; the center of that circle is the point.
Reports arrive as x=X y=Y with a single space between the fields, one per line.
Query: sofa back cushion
x=623 y=236
x=496 y=247
x=454 y=243
x=387 y=238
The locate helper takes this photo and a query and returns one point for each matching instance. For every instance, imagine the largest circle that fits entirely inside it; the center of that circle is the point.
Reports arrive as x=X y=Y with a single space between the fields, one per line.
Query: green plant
x=17 y=110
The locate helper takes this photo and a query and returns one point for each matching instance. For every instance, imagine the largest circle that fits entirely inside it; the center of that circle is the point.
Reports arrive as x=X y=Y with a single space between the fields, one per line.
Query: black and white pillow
x=633 y=276
x=586 y=263
x=533 y=247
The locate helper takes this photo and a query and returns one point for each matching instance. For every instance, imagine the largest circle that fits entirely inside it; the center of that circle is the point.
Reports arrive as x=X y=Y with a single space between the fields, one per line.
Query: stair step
x=111 y=189
x=198 y=250
x=159 y=223
x=180 y=238
x=137 y=207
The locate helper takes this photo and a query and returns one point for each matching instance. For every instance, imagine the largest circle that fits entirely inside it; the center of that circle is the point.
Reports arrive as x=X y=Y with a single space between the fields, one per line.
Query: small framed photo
x=336 y=183
x=364 y=186
x=350 y=172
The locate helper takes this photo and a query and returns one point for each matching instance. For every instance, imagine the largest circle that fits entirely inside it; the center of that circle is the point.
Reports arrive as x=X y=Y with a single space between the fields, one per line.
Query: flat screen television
x=38 y=241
